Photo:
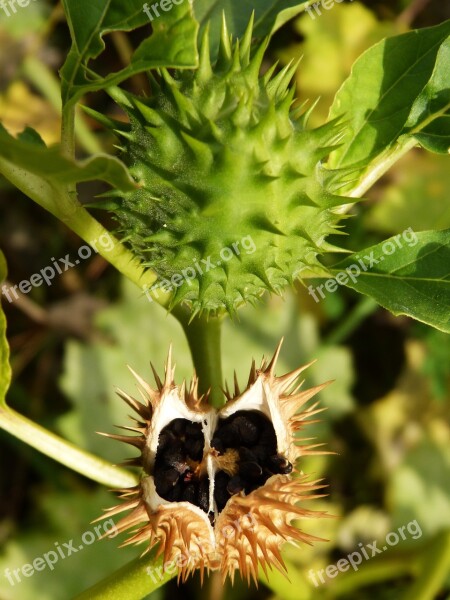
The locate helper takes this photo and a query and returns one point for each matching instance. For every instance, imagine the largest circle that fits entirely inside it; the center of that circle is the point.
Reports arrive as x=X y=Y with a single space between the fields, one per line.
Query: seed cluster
x=246 y=441
x=253 y=436
x=178 y=473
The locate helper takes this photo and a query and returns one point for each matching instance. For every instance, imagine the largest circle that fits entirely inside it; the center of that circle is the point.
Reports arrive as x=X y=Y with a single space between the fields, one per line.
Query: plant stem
x=132 y=582
x=389 y=157
x=204 y=335
x=64 y=206
x=364 y=308
x=68 y=132
x=64 y=452
x=381 y=165
x=45 y=81
x=435 y=566
x=372 y=572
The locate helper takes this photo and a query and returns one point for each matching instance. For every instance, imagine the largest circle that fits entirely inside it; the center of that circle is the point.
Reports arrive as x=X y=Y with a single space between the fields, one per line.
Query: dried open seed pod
x=219 y=488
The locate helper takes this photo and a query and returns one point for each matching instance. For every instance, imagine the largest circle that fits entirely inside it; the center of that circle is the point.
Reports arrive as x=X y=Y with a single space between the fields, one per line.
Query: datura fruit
x=220 y=488
x=220 y=156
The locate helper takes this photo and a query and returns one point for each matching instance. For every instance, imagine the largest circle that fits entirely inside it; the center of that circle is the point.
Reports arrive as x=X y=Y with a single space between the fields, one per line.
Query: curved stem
x=380 y=166
x=62 y=203
x=45 y=81
x=351 y=321
x=435 y=567
x=64 y=452
x=370 y=573
x=204 y=336
x=133 y=581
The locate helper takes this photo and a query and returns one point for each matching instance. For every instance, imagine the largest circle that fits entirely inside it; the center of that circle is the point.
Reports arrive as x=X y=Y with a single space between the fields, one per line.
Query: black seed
x=194 y=448
x=174 y=457
x=218 y=445
x=203 y=495
x=194 y=430
x=268 y=439
x=246 y=455
x=175 y=493
x=279 y=464
x=235 y=485
x=246 y=429
x=166 y=439
x=165 y=479
x=250 y=470
x=221 y=495
x=178 y=426
x=228 y=435
x=211 y=517
x=189 y=493
x=261 y=453
x=250 y=487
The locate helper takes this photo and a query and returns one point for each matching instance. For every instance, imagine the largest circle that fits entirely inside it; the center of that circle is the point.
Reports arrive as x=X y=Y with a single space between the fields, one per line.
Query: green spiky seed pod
x=233 y=198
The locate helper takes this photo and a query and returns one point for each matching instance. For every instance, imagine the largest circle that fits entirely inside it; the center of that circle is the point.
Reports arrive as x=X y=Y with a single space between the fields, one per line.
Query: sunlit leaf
x=48 y=166
x=435 y=95
x=383 y=86
x=408 y=274
x=172 y=42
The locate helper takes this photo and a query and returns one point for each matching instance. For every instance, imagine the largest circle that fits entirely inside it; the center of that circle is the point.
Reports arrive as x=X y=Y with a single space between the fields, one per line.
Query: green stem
x=435 y=567
x=372 y=572
x=64 y=452
x=46 y=82
x=204 y=335
x=63 y=205
x=390 y=156
x=364 y=308
x=381 y=165
x=68 y=131
x=133 y=581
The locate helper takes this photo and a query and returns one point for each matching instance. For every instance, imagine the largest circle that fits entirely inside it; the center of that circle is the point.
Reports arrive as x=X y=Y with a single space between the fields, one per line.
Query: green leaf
x=434 y=136
x=408 y=274
x=270 y=15
x=64 y=515
x=44 y=169
x=171 y=44
x=384 y=84
x=5 y=367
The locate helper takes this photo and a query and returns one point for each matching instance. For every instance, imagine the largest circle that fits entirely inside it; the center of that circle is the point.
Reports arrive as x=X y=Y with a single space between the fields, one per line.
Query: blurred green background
x=388 y=410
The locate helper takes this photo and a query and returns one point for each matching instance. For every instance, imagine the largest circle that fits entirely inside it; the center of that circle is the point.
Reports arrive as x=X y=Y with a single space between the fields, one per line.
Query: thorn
x=157 y=379
x=204 y=72
x=271 y=366
x=137 y=441
x=246 y=41
x=237 y=391
x=224 y=56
